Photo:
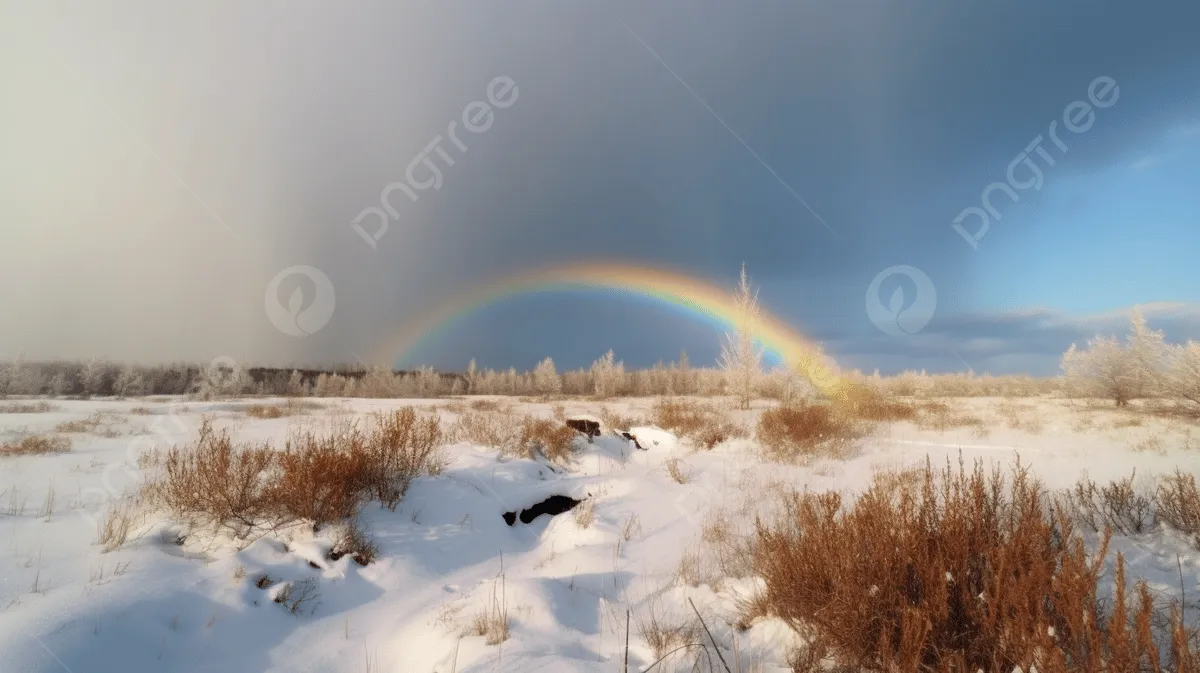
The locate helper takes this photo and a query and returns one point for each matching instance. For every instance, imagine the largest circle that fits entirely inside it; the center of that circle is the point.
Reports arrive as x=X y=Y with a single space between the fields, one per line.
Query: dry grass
x=320 y=479
x=585 y=513
x=488 y=427
x=630 y=527
x=865 y=404
x=292 y=407
x=677 y=474
x=39 y=407
x=141 y=411
x=959 y=571
x=34 y=445
x=118 y=522
x=491 y=622
x=802 y=431
x=663 y=634
x=939 y=416
x=703 y=424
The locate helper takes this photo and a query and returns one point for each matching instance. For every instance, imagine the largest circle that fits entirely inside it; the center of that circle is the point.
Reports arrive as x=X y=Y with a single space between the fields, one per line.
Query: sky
x=162 y=163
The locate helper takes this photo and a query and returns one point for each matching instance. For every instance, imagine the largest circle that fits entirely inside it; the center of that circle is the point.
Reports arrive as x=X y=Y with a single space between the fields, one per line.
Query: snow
x=446 y=553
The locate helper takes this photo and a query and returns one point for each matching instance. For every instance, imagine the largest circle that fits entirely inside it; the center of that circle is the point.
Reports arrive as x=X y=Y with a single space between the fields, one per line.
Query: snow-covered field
x=447 y=555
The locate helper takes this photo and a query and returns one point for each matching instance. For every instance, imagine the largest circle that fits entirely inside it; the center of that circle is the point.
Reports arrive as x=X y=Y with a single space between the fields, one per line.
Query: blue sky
x=681 y=134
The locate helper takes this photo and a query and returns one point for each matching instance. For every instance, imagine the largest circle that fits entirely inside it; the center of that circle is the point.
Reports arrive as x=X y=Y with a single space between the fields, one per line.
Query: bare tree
x=741 y=357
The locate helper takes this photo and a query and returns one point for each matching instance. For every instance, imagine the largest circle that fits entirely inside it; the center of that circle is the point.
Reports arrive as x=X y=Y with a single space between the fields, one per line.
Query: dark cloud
x=288 y=119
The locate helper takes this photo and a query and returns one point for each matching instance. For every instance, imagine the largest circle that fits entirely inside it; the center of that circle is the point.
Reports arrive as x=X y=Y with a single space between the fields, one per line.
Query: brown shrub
x=402 y=447
x=553 y=440
x=614 y=420
x=704 y=424
x=665 y=635
x=803 y=430
x=36 y=445
x=1179 y=504
x=319 y=479
x=961 y=571
x=215 y=484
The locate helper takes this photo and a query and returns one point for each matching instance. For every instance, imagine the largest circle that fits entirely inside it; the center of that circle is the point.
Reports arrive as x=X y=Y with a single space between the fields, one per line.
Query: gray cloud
x=171 y=125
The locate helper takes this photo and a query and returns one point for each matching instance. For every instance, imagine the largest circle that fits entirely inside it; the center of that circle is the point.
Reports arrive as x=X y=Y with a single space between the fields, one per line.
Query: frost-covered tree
x=93 y=377
x=545 y=378
x=1119 y=371
x=607 y=375
x=221 y=379
x=129 y=383
x=1182 y=379
x=472 y=378
x=741 y=356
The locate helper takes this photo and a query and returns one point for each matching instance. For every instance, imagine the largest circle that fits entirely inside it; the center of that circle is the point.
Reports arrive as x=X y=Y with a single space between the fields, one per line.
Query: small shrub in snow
x=1118 y=506
x=318 y=479
x=39 y=407
x=401 y=447
x=357 y=544
x=115 y=528
x=804 y=430
x=35 y=445
x=553 y=440
x=703 y=424
x=585 y=513
x=1179 y=504
x=298 y=596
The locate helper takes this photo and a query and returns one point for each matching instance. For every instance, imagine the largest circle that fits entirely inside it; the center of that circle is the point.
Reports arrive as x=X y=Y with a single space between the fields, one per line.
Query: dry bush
x=964 y=571
x=1118 y=506
x=801 y=430
x=488 y=427
x=36 y=445
x=214 y=483
x=614 y=420
x=321 y=479
x=141 y=411
x=1179 y=504
x=402 y=447
x=665 y=635
x=488 y=405
x=297 y=596
x=553 y=440
x=318 y=479
x=39 y=407
x=730 y=547
x=704 y=424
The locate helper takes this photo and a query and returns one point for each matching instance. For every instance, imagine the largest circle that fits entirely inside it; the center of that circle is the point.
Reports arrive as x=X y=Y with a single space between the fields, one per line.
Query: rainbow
x=694 y=297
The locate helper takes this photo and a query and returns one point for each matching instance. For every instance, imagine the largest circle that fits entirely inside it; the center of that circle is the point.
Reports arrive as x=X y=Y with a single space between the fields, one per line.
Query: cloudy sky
x=161 y=163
